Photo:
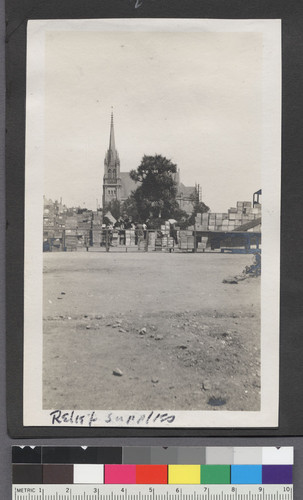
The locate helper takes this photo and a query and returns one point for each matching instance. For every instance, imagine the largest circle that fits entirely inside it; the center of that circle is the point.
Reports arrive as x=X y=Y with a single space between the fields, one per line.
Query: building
x=117 y=185
x=111 y=179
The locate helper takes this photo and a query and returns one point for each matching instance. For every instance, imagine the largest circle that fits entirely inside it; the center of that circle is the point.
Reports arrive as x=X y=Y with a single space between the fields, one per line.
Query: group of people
x=123 y=224
x=141 y=230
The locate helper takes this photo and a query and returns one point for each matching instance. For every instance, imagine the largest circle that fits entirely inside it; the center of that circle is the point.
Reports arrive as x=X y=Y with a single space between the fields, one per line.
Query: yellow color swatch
x=184 y=474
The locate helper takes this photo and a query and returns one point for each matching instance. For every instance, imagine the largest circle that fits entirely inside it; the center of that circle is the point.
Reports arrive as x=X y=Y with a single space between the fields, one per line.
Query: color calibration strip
x=157 y=492
x=152 y=465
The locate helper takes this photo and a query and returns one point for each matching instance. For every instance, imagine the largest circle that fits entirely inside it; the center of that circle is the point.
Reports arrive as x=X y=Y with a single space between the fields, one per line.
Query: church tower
x=111 y=178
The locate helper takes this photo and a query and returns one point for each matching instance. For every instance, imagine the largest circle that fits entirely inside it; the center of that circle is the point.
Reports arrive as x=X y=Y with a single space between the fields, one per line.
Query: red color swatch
x=151 y=474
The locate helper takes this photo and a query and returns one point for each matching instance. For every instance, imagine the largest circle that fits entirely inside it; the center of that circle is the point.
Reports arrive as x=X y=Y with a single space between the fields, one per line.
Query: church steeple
x=112 y=147
x=111 y=179
x=112 y=154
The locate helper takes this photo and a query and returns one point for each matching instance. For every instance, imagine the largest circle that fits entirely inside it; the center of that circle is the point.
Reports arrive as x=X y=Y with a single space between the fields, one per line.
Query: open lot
x=181 y=338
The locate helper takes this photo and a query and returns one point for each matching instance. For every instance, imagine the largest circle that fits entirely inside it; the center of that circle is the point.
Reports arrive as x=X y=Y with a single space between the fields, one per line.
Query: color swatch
x=246 y=474
x=151 y=465
x=184 y=474
x=215 y=474
x=151 y=474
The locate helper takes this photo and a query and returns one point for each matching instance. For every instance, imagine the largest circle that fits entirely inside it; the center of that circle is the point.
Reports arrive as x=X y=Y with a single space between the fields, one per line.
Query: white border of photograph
x=34 y=415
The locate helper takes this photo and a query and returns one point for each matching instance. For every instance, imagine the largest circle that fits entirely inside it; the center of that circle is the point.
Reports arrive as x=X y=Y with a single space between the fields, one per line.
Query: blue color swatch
x=246 y=474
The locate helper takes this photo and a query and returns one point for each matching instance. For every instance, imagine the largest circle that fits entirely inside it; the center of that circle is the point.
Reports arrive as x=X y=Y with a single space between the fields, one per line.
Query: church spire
x=111 y=178
x=112 y=147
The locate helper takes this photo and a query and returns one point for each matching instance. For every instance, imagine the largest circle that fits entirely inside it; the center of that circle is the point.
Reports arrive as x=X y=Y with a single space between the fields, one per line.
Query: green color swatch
x=215 y=474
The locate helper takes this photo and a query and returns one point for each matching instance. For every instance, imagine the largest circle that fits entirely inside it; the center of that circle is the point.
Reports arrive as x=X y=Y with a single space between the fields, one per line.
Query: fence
x=164 y=240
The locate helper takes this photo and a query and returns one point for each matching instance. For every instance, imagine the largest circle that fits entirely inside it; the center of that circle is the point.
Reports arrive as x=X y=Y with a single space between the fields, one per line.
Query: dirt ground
x=150 y=331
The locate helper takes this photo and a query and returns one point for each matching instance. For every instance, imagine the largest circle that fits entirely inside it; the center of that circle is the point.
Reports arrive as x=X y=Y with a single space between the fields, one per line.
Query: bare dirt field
x=141 y=331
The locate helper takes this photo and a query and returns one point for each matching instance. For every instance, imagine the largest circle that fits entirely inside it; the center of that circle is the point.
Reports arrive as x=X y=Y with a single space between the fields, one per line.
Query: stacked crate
x=234 y=218
x=57 y=246
x=71 y=238
x=84 y=230
x=151 y=240
x=97 y=229
x=164 y=243
x=203 y=243
x=115 y=238
x=186 y=240
x=97 y=218
x=201 y=222
x=165 y=229
x=130 y=237
x=96 y=236
x=71 y=222
x=246 y=212
x=158 y=244
x=71 y=242
x=170 y=242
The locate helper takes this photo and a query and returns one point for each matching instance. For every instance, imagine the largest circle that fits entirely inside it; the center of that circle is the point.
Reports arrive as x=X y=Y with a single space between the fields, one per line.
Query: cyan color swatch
x=246 y=474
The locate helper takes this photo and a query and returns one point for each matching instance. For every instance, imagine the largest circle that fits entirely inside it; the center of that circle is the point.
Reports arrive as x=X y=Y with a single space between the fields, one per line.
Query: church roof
x=186 y=191
x=127 y=185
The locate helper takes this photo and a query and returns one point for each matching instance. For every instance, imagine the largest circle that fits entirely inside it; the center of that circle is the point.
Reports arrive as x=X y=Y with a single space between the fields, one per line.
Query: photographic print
x=152 y=223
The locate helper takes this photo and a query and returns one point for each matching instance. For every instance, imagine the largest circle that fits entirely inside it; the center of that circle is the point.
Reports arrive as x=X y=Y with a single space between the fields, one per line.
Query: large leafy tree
x=130 y=209
x=155 y=197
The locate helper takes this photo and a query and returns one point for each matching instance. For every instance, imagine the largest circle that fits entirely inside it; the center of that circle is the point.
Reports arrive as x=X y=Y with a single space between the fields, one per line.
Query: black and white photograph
x=152 y=223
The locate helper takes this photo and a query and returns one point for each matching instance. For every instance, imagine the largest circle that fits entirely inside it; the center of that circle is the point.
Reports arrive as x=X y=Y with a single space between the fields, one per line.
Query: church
x=118 y=185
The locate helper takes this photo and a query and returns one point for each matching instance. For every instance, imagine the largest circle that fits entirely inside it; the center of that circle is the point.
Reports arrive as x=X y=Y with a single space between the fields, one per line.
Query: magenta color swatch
x=119 y=474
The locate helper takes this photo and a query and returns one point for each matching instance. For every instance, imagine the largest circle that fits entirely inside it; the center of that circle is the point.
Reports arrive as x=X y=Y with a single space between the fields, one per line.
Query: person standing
x=140 y=234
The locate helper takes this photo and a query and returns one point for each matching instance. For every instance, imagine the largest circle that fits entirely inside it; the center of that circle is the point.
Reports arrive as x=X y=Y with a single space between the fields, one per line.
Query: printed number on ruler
x=154 y=492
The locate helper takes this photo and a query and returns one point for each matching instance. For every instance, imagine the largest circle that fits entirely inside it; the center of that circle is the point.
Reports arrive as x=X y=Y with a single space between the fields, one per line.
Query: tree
x=155 y=197
x=130 y=209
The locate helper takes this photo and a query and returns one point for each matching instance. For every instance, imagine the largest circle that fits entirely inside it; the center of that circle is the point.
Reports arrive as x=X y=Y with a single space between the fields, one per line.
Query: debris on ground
x=206 y=385
x=255 y=268
x=142 y=331
x=117 y=372
x=213 y=401
x=250 y=271
x=181 y=362
x=230 y=281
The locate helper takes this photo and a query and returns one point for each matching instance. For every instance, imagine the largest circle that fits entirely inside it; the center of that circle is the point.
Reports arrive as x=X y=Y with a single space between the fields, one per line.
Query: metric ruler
x=152 y=492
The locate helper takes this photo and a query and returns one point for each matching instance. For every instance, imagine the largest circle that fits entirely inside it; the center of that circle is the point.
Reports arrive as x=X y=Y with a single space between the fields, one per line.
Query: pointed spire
x=112 y=147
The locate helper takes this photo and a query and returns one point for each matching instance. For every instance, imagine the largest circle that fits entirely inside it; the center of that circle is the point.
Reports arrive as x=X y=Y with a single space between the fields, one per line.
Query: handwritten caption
x=61 y=417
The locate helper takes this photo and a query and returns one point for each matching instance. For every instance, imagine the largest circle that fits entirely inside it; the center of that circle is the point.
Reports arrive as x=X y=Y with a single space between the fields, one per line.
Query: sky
x=193 y=97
